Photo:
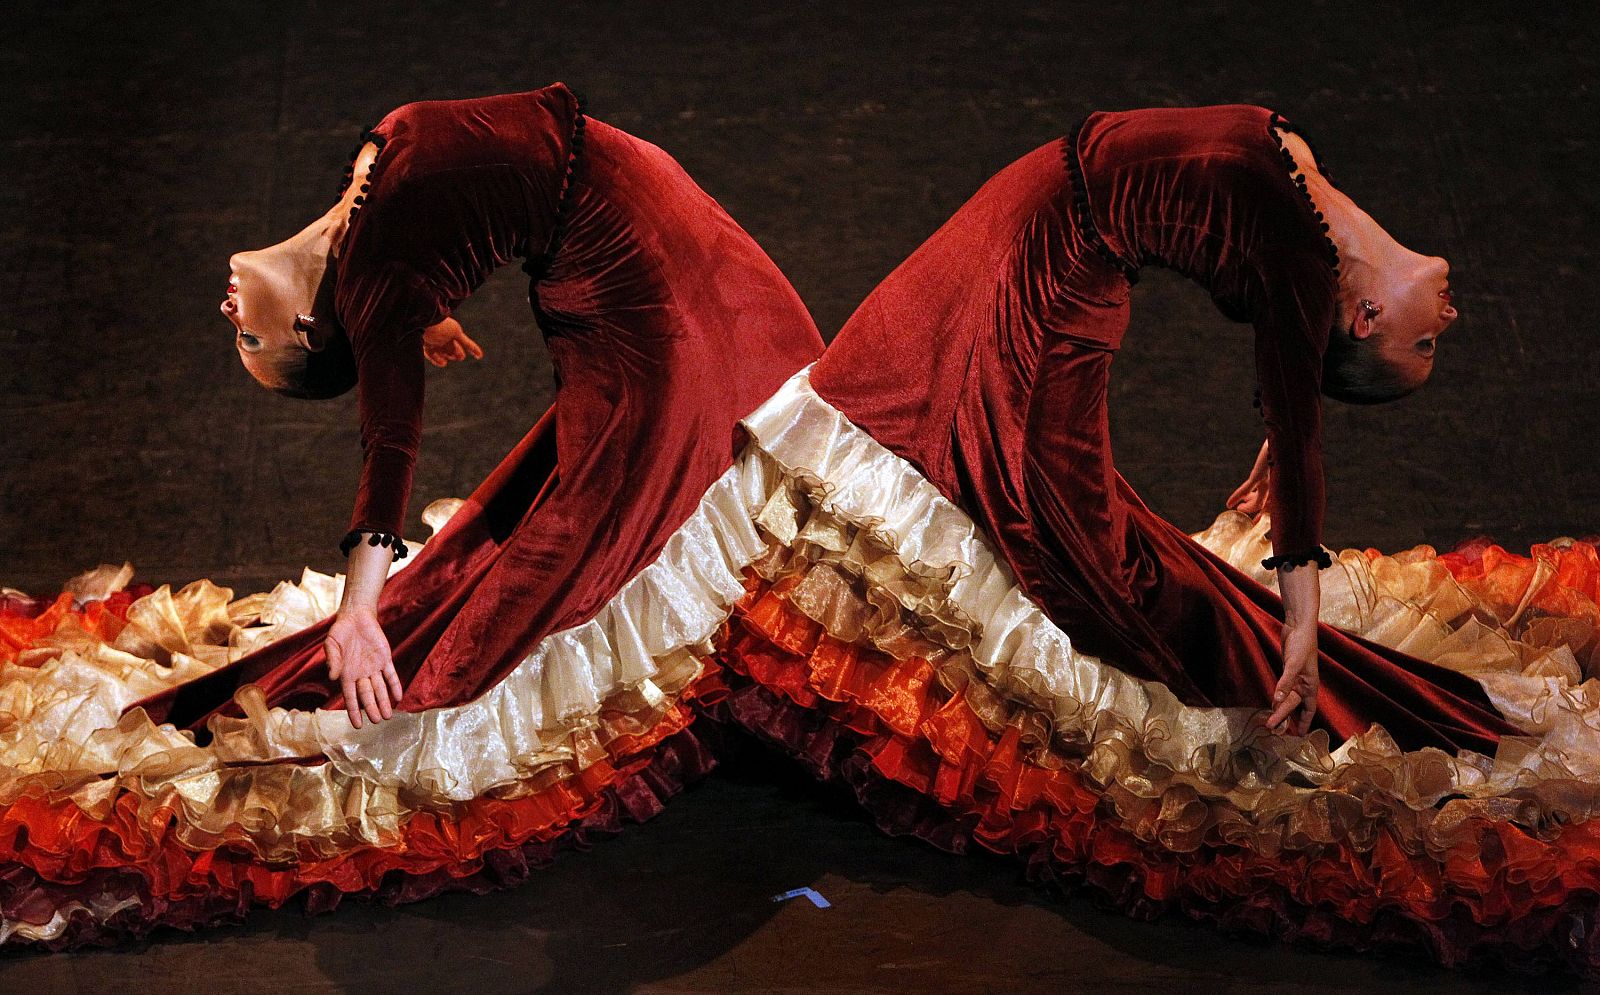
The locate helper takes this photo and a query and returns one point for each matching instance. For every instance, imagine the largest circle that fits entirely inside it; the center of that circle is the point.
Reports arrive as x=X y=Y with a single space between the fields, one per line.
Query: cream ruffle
x=869 y=511
x=641 y=650
x=813 y=485
x=62 y=730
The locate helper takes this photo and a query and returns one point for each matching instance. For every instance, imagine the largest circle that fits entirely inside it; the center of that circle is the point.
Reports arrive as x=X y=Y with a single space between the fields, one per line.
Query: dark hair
x=1355 y=372
x=316 y=376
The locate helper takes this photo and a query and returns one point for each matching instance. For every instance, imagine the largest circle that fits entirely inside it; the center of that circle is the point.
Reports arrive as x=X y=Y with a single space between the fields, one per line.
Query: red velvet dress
x=666 y=324
x=984 y=361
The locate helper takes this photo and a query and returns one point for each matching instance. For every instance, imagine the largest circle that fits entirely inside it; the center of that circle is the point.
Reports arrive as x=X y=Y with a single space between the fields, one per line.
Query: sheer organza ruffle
x=110 y=824
x=932 y=756
x=876 y=631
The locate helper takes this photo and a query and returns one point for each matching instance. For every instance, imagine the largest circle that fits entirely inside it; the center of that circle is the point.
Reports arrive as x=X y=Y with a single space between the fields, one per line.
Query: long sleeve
x=1292 y=323
x=386 y=317
x=390 y=389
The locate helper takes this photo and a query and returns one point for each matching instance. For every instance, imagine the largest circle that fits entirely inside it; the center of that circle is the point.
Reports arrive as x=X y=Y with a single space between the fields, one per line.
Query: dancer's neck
x=1365 y=248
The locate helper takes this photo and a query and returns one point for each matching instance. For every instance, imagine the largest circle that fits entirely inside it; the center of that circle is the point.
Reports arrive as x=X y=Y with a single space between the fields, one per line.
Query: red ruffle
x=25 y=620
x=53 y=854
x=855 y=715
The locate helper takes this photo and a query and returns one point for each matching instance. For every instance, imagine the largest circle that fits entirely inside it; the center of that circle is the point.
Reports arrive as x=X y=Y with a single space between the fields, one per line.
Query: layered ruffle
x=67 y=879
x=110 y=823
x=875 y=559
x=938 y=762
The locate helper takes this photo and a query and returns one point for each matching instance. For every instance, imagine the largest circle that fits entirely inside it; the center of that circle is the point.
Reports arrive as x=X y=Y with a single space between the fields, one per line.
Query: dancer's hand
x=359 y=659
x=1295 y=698
x=447 y=342
x=1296 y=694
x=1252 y=496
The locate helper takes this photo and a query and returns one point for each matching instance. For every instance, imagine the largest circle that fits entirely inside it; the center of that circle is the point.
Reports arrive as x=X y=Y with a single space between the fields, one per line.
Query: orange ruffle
x=103 y=619
x=1499 y=888
x=1554 y=581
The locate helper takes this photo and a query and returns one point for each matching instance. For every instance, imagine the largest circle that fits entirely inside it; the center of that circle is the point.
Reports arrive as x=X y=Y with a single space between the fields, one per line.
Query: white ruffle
x=658 y=624
x=1027 y=658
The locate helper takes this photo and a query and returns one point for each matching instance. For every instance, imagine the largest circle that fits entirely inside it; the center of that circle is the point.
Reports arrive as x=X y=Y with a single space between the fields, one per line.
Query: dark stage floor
x=141 y=144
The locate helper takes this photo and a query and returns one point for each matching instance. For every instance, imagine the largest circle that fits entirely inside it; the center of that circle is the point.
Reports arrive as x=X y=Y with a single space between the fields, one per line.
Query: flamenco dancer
x=976 y=623
x=913 y=565
x=525 y=677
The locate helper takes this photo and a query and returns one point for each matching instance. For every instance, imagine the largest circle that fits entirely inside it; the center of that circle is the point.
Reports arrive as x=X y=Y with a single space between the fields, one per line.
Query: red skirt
x=864 y=622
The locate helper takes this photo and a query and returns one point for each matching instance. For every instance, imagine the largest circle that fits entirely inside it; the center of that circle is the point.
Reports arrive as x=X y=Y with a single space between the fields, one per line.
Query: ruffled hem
x=65 y=883
x=932 y=586
x=565 y=707
x=926 y=760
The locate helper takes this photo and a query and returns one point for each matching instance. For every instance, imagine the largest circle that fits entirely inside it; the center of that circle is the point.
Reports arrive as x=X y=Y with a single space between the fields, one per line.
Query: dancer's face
x=1413 y=293
x=270 y=293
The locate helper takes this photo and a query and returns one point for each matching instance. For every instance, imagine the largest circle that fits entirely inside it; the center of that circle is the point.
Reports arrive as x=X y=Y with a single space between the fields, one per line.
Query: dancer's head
x=1394 y=304
x=280 y=302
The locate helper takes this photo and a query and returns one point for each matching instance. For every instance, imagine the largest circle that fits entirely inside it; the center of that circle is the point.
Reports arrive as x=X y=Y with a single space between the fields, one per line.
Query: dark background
x=141 y=144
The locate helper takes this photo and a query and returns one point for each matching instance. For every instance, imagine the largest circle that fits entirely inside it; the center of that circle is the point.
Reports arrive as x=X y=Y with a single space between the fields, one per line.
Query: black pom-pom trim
x=1083 y=217
x=374 y=537
x=1288 y=561
x=1275 y=122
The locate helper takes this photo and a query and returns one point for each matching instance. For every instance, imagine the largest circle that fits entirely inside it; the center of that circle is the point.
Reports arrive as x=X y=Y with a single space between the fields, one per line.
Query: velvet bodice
x=459 y=188
x=942 y=361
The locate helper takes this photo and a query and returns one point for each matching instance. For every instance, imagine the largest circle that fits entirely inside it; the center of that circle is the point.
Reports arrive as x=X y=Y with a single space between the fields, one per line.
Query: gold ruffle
x=63 y=734
x=879 y=554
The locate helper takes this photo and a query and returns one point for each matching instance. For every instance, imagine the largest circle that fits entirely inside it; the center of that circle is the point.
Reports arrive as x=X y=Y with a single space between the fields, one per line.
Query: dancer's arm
x=390 y=394
x=1295 y=698
x=1292 y=321
x=358 y=651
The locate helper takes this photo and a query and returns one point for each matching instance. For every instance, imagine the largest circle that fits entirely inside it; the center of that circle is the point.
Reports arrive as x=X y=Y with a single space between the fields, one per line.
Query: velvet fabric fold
x=984 y=362
x=666 y=323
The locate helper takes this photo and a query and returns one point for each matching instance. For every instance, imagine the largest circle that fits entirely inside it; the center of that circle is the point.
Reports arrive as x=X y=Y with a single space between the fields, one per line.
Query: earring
x=305 y=327
x=1372 y=309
